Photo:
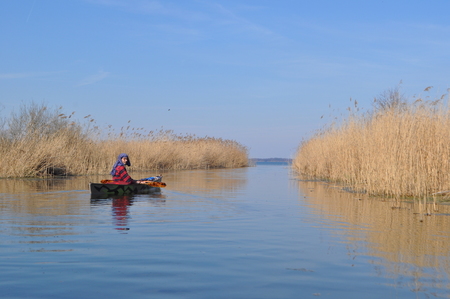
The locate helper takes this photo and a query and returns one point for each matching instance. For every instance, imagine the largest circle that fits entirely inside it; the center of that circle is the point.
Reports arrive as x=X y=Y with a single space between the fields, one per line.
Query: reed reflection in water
x=406 y=246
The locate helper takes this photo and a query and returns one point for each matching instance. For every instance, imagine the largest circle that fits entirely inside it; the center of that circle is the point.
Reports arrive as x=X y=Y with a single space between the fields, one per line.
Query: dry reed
x=41 y=141
x=400 y=149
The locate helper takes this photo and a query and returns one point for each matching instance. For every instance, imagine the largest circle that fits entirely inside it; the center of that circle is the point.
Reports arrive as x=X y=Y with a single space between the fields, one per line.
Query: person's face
x=124 y=160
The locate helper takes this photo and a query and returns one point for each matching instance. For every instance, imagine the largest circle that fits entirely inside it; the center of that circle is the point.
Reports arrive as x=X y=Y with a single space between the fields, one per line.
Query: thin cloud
x=211 y=13
x=152 y=8
x=31 y=10
x=6 y=76
x=116 y=3
x=17 y=75
x=243 y=22
x=135 y=6
x=94 y=78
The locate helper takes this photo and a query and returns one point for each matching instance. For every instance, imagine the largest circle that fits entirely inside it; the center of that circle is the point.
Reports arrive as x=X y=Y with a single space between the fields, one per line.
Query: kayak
x=107 y=187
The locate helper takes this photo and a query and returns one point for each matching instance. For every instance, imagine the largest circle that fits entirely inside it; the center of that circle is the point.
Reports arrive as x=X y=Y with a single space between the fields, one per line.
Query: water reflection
x=39 y=220
x=121 y=206
x=120 y=211
x=215 y=183
x=32 y=185
x=411 y=248
x=53 y=198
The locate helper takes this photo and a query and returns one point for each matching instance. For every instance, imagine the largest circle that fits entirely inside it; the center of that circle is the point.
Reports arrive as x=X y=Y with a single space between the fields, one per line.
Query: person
x=119 y=172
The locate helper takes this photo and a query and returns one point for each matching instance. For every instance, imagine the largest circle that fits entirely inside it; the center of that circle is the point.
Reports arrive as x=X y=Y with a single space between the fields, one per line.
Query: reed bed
x=40 y=141
x=397 y=150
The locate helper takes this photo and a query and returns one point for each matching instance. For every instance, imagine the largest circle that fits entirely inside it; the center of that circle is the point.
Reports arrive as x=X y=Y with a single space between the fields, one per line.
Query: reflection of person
x=119 y=172
x=120 y=211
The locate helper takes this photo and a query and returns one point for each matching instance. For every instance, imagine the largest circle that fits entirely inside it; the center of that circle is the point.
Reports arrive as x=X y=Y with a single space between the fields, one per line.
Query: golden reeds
x=41 y=141
x=400 y=149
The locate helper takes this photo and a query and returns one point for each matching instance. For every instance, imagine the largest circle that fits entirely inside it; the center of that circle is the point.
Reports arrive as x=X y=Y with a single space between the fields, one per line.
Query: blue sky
x=262 y=73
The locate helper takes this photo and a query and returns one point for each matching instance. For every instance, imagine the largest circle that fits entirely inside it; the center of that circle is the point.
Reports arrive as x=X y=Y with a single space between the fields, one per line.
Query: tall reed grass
x=401 y=148
x=41 y=141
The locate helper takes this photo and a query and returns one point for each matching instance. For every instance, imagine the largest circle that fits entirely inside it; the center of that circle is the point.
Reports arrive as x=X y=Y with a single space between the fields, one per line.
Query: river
x=254 y=232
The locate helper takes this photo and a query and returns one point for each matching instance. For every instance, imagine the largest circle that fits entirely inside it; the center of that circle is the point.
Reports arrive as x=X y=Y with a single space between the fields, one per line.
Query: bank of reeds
x=398 y=149
x=41 y=141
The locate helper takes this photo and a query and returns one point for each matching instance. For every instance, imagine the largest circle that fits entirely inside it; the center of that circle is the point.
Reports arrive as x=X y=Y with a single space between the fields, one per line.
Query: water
x=241 y=233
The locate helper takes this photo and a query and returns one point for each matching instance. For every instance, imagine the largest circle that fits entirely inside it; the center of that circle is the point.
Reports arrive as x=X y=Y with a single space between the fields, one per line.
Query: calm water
x=241 y=233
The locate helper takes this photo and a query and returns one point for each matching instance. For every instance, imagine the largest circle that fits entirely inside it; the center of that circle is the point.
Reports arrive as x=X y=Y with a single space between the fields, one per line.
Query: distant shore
x=271 y=160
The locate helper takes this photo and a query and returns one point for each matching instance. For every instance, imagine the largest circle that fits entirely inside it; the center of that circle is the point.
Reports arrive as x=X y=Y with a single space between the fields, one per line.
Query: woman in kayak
x=119 y=172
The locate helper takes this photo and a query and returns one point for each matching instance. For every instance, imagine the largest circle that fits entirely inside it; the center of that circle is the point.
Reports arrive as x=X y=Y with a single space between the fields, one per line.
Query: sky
x=267 y=74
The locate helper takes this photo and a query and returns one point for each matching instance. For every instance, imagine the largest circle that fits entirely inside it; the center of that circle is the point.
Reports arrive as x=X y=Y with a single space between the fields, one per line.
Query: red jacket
x=121 y=176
